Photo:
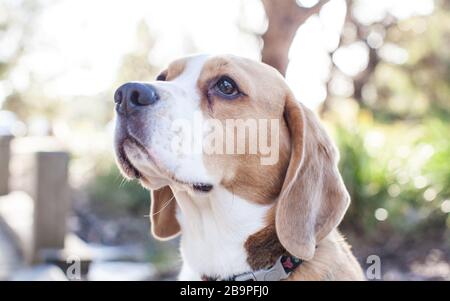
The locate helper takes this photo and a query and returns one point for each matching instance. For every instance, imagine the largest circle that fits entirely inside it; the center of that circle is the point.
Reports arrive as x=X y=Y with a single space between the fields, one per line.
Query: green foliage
x=395 y=153
x=421 y=84
x=112 y=192
x=401 y=168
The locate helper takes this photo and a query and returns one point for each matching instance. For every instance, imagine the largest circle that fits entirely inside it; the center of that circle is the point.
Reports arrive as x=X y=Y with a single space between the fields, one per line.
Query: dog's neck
x=214 y=232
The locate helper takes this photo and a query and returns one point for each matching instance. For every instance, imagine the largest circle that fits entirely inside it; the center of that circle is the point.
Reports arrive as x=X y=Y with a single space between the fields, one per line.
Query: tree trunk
x=285 y=17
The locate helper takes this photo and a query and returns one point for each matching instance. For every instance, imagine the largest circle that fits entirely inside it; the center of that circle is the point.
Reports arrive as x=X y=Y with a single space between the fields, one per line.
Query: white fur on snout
x=141 y=161
x=179 y=103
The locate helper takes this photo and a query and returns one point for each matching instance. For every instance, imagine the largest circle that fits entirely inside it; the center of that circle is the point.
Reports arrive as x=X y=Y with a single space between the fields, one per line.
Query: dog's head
x=259 y=143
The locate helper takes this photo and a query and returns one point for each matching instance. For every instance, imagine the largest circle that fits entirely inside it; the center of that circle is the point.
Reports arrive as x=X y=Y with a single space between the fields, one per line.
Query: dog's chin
x=125 y=166
x=135 y=162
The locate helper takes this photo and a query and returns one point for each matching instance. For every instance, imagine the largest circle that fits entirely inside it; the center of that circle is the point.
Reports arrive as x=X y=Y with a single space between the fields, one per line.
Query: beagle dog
x=239 y=217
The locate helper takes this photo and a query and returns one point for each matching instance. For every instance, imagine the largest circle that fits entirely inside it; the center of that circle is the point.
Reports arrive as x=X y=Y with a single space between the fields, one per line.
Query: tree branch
x=285 y=17
x=307 y=12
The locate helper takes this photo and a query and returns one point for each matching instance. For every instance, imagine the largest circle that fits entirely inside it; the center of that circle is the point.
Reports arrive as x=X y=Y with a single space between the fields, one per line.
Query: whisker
x=164 y=207
x=122 y=182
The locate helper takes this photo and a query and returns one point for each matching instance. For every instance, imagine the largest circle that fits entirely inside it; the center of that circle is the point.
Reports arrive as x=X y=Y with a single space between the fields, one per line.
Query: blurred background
x=377 y=73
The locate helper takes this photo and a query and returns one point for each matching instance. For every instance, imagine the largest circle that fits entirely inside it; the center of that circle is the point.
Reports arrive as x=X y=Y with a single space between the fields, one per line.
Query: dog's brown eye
x=226 y=86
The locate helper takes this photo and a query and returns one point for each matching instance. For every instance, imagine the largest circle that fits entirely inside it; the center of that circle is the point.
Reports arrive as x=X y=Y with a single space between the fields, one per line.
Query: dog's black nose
x=135 y=95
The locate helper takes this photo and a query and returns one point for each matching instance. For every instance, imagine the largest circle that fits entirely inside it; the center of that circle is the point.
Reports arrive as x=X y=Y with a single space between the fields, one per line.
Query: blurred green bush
x=115 y=194
x=398 y=176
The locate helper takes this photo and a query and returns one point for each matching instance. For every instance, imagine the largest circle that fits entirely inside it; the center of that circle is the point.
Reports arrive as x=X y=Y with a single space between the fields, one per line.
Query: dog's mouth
x=127 y=167
x=132 y=171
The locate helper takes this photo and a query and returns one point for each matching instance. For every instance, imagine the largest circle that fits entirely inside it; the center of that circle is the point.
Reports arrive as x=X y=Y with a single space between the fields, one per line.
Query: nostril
x=134 y=98
x=118 y=96
x=143 y=96
x=134 y=95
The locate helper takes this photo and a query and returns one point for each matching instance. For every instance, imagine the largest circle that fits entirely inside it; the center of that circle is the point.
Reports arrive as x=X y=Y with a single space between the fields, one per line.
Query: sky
x=77 y=45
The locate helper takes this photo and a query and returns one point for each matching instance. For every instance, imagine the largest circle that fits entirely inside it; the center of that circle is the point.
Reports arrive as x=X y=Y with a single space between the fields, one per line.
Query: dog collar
x=281 y=270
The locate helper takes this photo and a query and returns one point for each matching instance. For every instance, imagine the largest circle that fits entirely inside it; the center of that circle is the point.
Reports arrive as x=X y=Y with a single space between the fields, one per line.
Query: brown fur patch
x=263 y=93
x=264 y=248
x=333 y=259
x=162 y=214
x=175 y=68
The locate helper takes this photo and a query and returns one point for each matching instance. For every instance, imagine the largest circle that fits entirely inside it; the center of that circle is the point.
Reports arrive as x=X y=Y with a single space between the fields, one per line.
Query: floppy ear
x=162 y=214
x=313 y=198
